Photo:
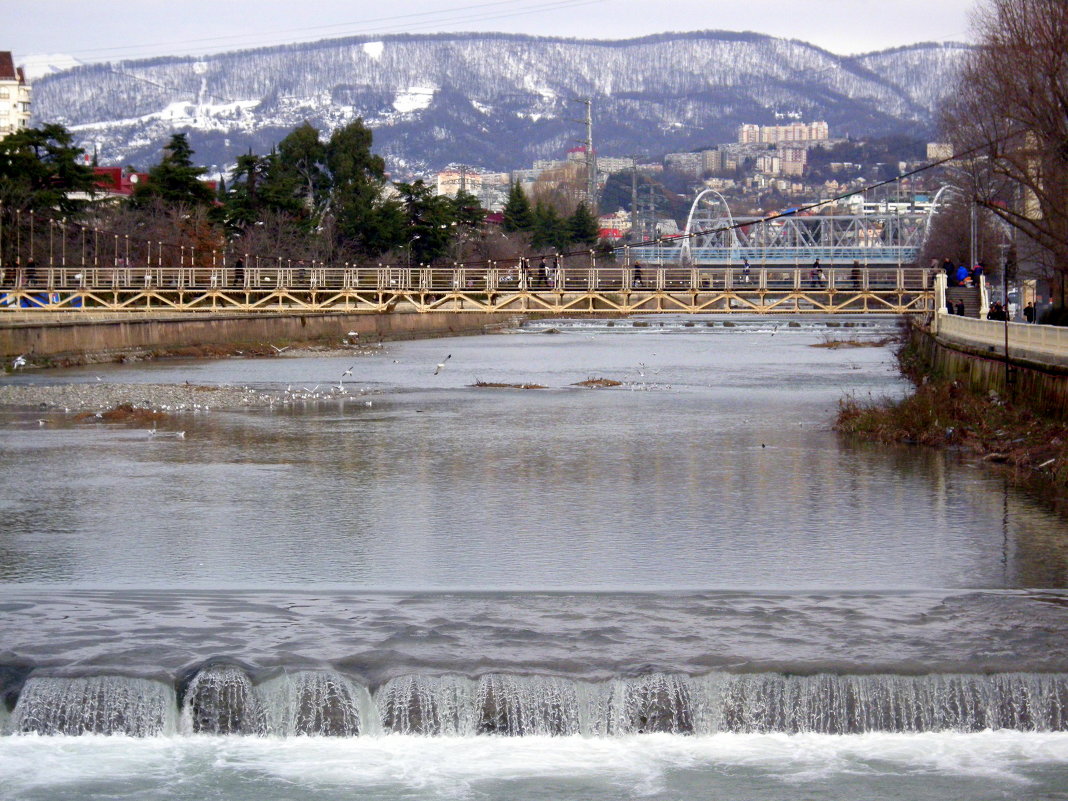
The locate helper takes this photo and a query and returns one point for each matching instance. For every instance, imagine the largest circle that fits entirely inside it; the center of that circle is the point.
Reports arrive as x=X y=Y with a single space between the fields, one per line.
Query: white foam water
x=658 y=766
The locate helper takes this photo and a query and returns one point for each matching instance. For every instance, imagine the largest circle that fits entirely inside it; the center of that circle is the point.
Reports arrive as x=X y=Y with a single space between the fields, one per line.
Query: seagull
x=347 y=372
x=441 y=365
x=20 y=361
x=353 y=333
x=167 y=434
x=280 y=350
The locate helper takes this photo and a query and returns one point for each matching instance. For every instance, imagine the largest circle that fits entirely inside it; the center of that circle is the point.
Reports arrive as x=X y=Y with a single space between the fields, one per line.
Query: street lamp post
x=410 y=241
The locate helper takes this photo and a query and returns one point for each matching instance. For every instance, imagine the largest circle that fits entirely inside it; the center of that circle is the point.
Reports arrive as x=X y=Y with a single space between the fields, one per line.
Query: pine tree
x=582 y=226
x=40 y=168
x=517 y=212
x=357 y=177
x=175 y=179
x=549 y=229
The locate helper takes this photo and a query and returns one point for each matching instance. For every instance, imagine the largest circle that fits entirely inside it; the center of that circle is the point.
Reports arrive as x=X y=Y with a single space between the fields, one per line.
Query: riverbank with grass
x=945 y=412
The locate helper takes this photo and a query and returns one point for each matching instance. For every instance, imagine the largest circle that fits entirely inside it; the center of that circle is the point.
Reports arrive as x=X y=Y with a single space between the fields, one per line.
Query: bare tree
x=1009 y=113
x=951 y=236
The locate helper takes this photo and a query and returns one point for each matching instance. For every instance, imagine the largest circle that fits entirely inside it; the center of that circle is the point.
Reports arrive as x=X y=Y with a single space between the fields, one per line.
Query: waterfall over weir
x=223 y=699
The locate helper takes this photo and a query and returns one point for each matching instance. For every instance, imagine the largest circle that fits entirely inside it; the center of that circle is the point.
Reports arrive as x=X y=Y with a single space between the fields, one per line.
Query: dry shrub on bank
x=834 y=344
x=598 y=382
x=945 y=414
x=497 y=385
x=123 y=413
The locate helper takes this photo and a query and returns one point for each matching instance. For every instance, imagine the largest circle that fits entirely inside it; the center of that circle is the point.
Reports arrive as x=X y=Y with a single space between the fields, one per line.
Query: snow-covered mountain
x=36 y=67
x=493 y=100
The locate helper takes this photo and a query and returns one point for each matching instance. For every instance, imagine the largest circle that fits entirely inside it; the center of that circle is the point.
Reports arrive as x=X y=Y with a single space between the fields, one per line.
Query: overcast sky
x=117 y=29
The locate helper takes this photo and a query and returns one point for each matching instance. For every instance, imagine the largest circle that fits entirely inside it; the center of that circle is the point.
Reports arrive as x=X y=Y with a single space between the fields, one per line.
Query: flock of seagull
x=302 y=394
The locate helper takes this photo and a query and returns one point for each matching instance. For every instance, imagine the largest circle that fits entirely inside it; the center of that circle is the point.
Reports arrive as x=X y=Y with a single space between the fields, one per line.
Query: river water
x=683 y=587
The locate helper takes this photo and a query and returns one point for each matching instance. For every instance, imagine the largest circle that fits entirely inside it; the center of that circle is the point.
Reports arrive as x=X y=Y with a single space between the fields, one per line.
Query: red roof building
x=14 y=96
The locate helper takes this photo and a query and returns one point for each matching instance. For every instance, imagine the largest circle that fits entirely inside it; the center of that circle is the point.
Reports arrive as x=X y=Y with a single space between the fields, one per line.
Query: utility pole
x=591 y=158
x=634 y=198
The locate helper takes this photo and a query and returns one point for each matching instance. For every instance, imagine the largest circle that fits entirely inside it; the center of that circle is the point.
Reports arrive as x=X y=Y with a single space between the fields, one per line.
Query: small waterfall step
x=223 y=699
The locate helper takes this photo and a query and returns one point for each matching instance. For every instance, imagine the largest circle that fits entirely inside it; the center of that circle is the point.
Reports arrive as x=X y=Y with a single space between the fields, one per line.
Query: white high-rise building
x=14 y=96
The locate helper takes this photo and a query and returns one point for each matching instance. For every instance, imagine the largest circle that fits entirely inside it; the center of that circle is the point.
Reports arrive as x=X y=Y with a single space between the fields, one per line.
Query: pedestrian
x=962 y=275
x=637 y=281
x=543 y=272
x=960 y=308
x=977 y=273
x=239 y=273
x=1029 y=312
x=854 y=274
x=745 y=271
x=950 y=271
x=31 y=272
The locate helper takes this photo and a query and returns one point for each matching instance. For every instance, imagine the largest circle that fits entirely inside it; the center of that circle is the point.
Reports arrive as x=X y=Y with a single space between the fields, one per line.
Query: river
x=408 y=586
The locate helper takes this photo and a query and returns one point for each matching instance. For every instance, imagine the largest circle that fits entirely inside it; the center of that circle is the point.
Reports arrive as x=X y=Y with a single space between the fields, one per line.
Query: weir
x=224 y=700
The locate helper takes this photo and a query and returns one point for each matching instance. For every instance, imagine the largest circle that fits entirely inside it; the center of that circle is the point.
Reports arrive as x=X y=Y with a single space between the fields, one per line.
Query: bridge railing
x=321 y=287
x=471 y=279
x=787 y=256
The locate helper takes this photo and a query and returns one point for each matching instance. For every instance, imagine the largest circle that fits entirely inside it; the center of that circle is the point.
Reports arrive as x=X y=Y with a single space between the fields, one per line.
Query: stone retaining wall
x=1041 y=386
x=75 y=337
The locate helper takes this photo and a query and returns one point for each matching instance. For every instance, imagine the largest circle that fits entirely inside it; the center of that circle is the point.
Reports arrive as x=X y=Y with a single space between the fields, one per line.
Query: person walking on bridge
x=637 y=281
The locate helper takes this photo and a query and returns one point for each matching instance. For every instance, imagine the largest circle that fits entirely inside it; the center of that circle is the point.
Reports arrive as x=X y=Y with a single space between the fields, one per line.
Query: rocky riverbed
x=160 y=397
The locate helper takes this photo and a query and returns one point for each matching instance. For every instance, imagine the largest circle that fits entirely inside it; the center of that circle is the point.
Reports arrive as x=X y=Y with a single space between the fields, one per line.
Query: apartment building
x=452 y=181
x=14 y=96
x=750 y=134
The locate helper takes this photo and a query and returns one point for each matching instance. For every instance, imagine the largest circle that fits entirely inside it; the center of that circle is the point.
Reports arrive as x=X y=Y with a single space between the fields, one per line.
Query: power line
x=429 y=20
x=792 y=212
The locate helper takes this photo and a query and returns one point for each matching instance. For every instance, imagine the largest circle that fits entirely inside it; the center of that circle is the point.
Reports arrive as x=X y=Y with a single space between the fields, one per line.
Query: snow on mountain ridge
x=493 y=99
x=38 y=66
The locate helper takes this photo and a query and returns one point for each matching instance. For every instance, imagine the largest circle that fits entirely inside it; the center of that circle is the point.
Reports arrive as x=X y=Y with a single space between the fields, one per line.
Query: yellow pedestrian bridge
x=269 y=287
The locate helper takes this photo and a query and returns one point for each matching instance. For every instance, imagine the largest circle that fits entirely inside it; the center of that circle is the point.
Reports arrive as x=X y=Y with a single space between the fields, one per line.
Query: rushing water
x=683 y=587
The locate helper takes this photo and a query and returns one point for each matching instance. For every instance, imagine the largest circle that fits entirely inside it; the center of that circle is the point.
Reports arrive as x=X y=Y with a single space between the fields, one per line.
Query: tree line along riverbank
x=946 y=411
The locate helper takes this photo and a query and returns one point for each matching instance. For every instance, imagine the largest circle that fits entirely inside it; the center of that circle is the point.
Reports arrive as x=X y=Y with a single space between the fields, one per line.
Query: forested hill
x=493 y=100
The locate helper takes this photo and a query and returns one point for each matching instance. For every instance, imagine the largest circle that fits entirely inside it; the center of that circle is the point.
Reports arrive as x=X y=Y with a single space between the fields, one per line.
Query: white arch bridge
x=870 y=240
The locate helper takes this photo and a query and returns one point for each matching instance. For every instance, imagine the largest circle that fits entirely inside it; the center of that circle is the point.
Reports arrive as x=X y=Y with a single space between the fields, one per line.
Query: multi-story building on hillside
x=14 y=96
x=453 y=180
x=750 y=134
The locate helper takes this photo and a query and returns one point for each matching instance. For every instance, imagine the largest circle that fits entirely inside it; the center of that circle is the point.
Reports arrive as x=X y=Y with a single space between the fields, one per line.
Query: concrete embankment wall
x=1039 y=383
x=76 y=337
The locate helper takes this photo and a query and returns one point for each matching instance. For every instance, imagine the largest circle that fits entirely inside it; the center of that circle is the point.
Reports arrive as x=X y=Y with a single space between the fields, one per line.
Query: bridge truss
x=507 y=288
x=869 y=240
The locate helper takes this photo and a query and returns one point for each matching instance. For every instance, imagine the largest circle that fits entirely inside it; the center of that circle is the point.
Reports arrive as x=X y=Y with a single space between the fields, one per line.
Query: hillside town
x=638 y=198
